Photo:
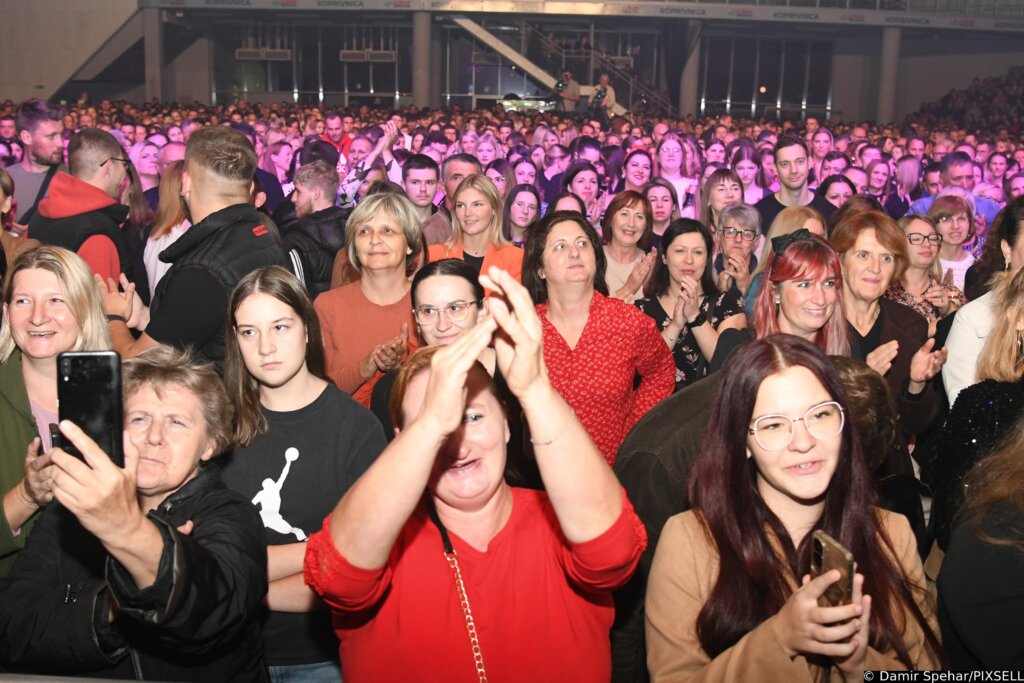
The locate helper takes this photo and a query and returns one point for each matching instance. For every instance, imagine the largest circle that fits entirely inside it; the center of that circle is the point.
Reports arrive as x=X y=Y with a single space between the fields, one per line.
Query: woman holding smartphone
x=50 y=306
x=302 y=443
x=729 y=596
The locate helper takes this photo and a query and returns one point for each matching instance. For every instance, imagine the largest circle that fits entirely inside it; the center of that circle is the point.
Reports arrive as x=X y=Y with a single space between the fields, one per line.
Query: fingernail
x=859 y=610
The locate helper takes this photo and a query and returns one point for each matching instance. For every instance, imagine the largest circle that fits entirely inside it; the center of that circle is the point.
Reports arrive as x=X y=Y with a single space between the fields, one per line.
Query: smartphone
x=827 y=554
x=89 y=394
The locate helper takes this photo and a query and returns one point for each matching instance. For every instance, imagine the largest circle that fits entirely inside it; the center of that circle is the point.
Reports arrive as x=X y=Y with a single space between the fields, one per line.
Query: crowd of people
x=403 y=386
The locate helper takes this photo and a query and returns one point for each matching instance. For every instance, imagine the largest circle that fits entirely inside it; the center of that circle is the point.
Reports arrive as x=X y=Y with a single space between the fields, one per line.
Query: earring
x=778 y=300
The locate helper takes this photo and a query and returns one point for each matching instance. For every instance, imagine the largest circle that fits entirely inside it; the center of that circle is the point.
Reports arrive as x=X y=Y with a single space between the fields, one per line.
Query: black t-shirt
x=476 y=261
x=862 y=345
x=295 y=473
x=770 y=207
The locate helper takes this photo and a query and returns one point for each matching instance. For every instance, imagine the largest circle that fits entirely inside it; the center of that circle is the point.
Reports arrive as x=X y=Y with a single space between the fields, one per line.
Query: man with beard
x=791 y=163
x=40 y=129
x=228 y=240
x=82 y=211
x=314 y=240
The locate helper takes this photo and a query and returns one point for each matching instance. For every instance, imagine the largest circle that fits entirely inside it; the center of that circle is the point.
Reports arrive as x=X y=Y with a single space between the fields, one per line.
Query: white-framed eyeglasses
x=456 y=312
x=775 y=432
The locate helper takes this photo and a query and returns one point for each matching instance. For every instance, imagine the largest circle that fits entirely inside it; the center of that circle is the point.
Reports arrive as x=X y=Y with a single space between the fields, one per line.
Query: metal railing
x=627 y=83
x=974 y=8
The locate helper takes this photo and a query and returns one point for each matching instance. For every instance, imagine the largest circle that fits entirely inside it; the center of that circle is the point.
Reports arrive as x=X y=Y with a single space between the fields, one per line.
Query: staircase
x=540 y=75
x=627 y=87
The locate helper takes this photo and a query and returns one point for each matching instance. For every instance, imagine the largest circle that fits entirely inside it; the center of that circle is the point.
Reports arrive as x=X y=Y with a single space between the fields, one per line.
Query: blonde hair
x=936 y=270
x=76 y=282
x=1002 y=358
x=489 y=190
x=398 y=207
x=170 y=210
x=788 y=221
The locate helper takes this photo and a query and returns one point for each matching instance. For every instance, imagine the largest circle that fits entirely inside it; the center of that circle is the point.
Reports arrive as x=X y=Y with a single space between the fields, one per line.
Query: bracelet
x=118 y=318
x=699 y=320
x=572 y=417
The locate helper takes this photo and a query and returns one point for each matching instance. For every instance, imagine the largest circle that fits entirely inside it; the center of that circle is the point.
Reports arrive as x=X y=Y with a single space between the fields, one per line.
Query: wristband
x=697 y=321
x=119 y=318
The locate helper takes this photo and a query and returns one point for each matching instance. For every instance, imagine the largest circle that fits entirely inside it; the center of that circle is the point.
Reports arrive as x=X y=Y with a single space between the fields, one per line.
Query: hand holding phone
x=827 y=554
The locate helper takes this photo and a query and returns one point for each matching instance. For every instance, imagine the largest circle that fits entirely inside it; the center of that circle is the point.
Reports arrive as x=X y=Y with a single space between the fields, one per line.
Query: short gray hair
x=398 y=207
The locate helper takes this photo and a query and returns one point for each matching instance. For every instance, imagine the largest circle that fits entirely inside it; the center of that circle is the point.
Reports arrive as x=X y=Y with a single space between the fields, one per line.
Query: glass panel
x=743 y=75
x=770 y=68
x=794 y=73
x=718 y=70
x=820 y=75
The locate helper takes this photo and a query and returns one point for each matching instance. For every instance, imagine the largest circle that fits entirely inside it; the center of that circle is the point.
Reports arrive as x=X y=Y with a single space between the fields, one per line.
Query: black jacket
x=228 y=245
x=312 y=243
x=198 y=622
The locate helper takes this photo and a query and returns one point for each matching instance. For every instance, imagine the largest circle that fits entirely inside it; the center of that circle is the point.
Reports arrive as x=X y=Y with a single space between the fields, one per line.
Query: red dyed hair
x=807 y=259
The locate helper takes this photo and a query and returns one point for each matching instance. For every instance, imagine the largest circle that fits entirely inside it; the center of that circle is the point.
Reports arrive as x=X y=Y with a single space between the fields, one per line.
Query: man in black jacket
x=228 y=240
x=313 y=241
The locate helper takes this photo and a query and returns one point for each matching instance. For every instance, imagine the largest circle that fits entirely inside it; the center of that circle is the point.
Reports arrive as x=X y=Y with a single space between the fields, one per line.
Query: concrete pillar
x=153 y=42
x=438 y=67
x=887 y=75
x=689 y=81
x=421 y=58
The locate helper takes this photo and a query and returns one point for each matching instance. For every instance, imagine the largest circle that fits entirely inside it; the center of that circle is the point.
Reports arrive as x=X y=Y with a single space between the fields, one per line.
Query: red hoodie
x=69 y=196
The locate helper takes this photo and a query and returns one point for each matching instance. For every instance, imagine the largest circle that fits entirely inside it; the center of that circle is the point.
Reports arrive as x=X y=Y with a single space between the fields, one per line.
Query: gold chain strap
x=474 y=642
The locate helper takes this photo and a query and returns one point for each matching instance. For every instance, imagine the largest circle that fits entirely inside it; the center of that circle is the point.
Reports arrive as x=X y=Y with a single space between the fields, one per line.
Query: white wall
x=46 y=41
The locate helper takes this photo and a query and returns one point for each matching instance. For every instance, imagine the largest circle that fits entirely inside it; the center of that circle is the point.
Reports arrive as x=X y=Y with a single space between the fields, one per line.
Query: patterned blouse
x=898 y=293
x=690 y=362
x=596 y=378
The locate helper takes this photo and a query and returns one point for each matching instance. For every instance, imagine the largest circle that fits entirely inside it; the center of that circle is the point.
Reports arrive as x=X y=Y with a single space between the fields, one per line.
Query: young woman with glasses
x=729 y=595
x=921 y=287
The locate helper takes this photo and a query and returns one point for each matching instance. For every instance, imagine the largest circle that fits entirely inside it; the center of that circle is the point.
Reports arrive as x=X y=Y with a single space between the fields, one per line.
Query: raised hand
x=518 y=345
x=115 y=302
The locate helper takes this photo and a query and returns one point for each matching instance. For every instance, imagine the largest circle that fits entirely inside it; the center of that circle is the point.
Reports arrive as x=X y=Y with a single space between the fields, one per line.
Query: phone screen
x=89 y=395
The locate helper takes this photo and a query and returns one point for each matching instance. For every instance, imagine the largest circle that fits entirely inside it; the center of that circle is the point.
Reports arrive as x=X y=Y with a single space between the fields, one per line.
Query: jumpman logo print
x=268 y=500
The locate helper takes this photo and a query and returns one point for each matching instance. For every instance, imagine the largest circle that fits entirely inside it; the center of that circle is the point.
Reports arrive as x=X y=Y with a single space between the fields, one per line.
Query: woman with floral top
x=685 y=303
x=921 y=287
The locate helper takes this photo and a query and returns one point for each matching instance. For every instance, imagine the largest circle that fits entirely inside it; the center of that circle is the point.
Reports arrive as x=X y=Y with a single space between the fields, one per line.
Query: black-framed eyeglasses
x=775 y=432
x=127 y=163
x=745 y=235
x=456 y=312
x=916 y=238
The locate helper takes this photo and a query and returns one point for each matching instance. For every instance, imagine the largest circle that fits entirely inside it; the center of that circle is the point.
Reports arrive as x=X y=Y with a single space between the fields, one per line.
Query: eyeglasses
x=127 y=163
x=961 y=220
x=775 y=432
x=456 y=312
x=733 y=233
x=918 y=238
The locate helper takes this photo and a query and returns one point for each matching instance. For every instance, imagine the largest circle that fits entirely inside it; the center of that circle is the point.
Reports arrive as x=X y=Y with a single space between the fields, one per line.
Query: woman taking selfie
x=50 y=306
x=301 y=443
x=729 y=596
x=408 y=574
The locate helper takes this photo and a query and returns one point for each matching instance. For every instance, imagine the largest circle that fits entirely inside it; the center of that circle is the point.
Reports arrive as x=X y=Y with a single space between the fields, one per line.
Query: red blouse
x=596 y=377
x=542 y=606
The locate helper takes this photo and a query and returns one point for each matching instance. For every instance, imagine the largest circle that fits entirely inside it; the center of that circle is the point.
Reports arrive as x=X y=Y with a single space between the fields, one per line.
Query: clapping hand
x=518 y=344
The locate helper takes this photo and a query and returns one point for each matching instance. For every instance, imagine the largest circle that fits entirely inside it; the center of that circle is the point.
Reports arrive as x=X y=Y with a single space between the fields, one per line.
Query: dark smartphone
x=89 y=394
x=827 y=554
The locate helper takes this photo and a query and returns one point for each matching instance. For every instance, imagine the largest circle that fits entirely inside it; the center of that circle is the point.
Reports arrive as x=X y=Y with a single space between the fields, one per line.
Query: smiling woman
x=50 y=305
x=476 y=237
x=724 y=599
